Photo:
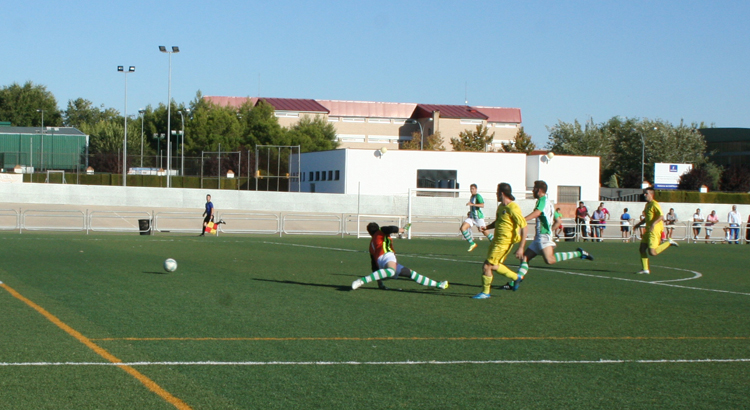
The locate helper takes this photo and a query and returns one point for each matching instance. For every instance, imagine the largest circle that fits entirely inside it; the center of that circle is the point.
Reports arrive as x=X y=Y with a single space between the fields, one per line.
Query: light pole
x=121 y=69
x=175 y=49
x=182 y=150
x=643 y=155
x=141 y=112
x=41 y=149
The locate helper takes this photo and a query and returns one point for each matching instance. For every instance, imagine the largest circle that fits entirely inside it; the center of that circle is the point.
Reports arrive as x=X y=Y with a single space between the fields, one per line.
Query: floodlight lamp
x=175 y=49
x=550 y=155
x=162 y=49
x=131 y=68
x=120 y=68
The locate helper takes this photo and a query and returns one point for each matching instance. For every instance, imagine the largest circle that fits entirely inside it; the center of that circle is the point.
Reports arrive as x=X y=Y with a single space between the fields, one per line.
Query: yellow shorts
x=498 y=252
x=652 y=239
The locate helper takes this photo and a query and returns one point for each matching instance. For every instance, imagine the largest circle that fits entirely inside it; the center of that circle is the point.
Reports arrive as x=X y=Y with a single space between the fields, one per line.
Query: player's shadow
x=154 y=273
x=320 y=285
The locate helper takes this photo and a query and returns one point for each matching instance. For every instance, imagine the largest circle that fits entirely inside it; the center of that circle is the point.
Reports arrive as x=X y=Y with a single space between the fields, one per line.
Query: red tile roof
x=368 y=109
x=497 y=114
x=449 y=111
x=295 y=104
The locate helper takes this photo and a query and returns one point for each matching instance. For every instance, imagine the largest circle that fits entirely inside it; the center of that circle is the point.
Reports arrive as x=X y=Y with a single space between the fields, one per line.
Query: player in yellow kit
x=654 y=226
x=510 y=229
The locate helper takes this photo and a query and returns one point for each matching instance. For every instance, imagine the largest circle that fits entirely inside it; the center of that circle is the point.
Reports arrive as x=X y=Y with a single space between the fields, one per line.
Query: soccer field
x=92 y=322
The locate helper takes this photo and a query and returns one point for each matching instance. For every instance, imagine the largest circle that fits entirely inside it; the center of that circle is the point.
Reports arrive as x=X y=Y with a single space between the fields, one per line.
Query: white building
x=372 y=172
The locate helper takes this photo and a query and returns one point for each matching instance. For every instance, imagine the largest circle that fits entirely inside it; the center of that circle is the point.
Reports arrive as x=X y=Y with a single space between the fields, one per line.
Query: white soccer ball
x=170 y=265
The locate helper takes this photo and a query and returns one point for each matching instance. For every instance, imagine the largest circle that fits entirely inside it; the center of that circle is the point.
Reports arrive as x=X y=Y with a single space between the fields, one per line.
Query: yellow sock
x=660 y=248
x=504 y=270
x=644 y=260
x=486 y=283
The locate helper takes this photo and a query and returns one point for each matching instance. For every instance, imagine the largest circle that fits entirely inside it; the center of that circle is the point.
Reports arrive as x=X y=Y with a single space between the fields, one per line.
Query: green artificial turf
x=275 y=325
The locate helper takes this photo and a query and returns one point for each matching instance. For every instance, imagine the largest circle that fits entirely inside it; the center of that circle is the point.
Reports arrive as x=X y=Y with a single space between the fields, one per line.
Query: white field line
x=696 y=275
x=401 y=363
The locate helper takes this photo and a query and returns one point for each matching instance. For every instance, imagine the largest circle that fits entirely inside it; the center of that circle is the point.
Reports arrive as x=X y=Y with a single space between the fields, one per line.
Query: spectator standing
x=581 y=214
x=625 y=225
x=734 y=219
x=698 y=219
x=558 y=222
x=669 y=220
x=598 y=219
x=711 y=220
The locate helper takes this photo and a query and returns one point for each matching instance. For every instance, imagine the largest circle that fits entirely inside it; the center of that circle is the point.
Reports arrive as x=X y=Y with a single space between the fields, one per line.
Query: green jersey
x=475 y=212
x=547 y=218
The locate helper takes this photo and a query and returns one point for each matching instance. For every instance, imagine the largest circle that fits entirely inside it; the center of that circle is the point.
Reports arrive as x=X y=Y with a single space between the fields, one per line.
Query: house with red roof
x=367 y=124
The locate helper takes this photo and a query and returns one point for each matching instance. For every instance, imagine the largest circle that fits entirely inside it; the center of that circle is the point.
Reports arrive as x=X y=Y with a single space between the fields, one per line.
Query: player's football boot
x=443 y=285
x=481 y=295
x=585 y=255
x=472 y=247
x=643 y=272
x=357 y=283
x=673 y=243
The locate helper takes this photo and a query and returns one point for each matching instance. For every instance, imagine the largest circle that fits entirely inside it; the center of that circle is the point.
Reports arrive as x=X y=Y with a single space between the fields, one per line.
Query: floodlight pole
x=182 y=150
x=121 y=69
x=41 y=150
x=142 y=112
x=175 y=49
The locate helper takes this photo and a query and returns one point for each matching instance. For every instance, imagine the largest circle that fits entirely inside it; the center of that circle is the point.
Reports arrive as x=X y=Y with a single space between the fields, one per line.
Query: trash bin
x=144 y=225
x=570 y=234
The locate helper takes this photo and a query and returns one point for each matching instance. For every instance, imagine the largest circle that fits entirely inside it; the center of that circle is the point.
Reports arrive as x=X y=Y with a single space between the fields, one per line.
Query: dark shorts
x=625 y=229
x=207 y=219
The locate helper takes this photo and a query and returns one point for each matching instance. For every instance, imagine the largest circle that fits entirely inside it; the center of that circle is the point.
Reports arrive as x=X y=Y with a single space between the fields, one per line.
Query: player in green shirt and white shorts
x=475 y=217
x=543 y=243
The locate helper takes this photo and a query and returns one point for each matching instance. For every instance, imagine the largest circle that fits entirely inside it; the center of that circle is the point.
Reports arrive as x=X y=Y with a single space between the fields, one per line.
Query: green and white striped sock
x=523 y=269
x=467 y=236
x=379 y=274
x=563 y=256
x=423 y=280
x=490 y=236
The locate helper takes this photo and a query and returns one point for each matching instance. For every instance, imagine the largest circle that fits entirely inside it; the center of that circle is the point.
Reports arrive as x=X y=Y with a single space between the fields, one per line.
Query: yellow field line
x=283 y=339
x=150 y=384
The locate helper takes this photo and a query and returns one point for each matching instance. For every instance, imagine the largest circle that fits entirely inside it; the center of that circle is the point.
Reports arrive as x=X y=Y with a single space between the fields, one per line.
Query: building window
x=568 y=194
x=437 y=178
x=330 y=175
x=353 y=119
x=337 y=175
x=311 y=176
x=333 y=119
x=471 y=122
x=303 y=177
x=350 y=138
x=317 y=175
x=379 y=121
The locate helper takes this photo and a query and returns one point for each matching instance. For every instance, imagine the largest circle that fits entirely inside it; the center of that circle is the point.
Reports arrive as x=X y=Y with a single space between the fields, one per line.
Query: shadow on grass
x=348 y=288
x=155 y=273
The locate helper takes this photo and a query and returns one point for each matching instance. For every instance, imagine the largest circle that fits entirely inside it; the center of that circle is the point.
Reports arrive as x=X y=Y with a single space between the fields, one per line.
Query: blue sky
x=564 y=60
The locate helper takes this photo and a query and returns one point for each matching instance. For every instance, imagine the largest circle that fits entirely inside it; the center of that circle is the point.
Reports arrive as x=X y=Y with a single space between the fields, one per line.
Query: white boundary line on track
x=696 y=275
x=406 y=363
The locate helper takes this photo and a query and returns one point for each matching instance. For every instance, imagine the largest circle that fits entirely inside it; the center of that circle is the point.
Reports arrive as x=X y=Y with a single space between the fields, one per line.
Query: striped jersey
x=475 y=212
x=547 y=218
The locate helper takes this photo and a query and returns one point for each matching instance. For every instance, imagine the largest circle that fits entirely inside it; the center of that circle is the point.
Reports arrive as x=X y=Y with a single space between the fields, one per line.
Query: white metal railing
x=382 y=220
x=6 y=215
x=290 y=223
x=175 y=222
x=118 y=221
x=250 y=222
x=60 y=220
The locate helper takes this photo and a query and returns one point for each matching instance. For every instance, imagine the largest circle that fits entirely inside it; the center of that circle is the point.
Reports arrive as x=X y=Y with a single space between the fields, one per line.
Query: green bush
x=702 y=198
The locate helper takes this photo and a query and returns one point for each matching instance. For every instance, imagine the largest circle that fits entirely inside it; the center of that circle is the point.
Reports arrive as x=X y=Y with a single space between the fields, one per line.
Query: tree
x=20 y=105
x=81 y=111
x=477 y=140
x=311 y=134
x=707 y=174
x=521 y=143
x=260 y=125
x=736 y=178
x=433 y=142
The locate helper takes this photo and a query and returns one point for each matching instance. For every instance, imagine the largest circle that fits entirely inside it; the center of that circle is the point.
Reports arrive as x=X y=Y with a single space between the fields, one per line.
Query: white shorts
x=389 y=257
x=540 y=242
x=472 y=222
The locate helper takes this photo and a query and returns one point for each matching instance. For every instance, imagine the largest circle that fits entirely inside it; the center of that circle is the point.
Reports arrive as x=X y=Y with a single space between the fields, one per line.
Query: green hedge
x=701 y=198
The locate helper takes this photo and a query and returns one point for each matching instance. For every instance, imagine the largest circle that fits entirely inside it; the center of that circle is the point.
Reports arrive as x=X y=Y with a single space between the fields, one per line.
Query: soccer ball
x=170 y=265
